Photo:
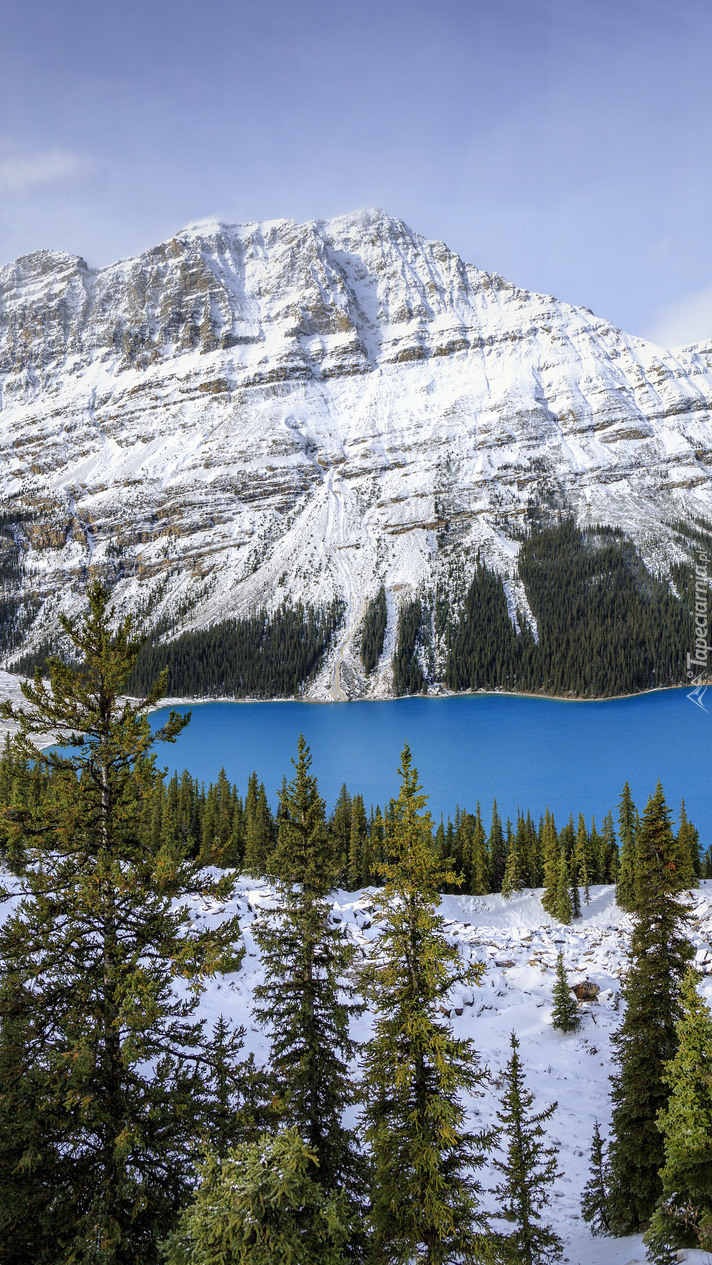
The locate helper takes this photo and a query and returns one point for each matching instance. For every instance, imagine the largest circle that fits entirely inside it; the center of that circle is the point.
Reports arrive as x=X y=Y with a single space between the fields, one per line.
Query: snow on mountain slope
x=254 y=413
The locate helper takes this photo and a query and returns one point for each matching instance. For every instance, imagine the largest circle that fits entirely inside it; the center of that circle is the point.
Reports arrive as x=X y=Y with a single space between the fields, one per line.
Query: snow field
x=518 y=943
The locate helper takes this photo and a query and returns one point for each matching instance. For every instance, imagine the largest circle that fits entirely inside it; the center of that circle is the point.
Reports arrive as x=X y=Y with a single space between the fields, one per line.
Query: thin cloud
x=688 y=320
x=21 y=173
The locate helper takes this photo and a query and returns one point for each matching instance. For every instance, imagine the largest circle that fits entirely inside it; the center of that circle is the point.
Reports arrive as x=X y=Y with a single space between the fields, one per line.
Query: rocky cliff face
x=249 y=414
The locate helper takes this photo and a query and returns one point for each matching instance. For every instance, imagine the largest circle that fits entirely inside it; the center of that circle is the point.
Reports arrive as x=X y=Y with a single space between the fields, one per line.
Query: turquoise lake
x=525 y=752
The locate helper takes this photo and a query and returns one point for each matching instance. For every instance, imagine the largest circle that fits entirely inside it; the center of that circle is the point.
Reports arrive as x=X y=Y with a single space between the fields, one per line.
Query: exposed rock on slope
x=256 y=413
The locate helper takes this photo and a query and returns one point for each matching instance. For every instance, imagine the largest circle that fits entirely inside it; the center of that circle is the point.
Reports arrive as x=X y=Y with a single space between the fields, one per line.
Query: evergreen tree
x=28 y=1142
x=567 y=849
x=594 y=1200
x=688 y=850
x=374 y=630
x=550 y=861
x=115 y=1063
x=497 y=852
x=258 y=828
x=425 y=1198
x=357 y=835
x=565 y=1014
x=582 y=858
x=341 y=829
x=512 y=881
x=377 y=848
x=479 y=868
x=627 y=874
x=305 y=1002
x=646 y=1039
x=609 y=851
x=528 y=1171
x=263 y=1204
x=683 y=1216
x=562 y=908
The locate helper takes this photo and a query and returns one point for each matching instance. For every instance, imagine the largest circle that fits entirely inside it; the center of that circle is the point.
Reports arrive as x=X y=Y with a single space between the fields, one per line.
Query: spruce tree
x=264 y=1204
x=112 y=1061
x=258 y=828
x=357 y=834
x=594 y=1199
x=582 y=858
x=528 y=1171
x=647 y=1039
x=609 y=851
x=565 y=1014
x=497 y=851
x=425 y=1199
x=340 y=829
x=550 y=859
x=479 y=867
x=596 y=852
x=627 y=872
x=562 y=906
x=688 y=850
x=512 y=880
x=305 y=1002
x=683 y=1216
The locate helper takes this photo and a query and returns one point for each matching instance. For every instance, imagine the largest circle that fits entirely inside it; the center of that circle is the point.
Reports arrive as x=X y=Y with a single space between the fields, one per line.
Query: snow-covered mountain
x=250 y=414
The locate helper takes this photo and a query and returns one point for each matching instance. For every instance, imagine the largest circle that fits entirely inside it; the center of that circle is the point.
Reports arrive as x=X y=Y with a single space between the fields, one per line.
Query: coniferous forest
x=131 y=1132
x=605 y=626
x=266 y=656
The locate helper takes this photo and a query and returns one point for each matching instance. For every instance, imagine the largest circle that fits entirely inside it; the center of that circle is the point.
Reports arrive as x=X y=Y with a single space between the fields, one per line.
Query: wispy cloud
x=20 y=173
x=688 y=320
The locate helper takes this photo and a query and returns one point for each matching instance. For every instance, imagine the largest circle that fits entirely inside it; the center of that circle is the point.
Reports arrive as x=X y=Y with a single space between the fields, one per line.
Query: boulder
x=586 y=990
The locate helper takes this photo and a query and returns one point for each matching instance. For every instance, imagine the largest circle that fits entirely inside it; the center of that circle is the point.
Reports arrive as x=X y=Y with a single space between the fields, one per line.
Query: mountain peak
x=274 y=412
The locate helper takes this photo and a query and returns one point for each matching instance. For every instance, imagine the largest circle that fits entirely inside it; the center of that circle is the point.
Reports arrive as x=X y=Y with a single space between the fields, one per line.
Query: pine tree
x=425 y=1198
x=263 y=1204
x=115 y=1062
x=646 y=1039
x=528 y=1170
x=594 y=1200
x=683 y=1216
x=565 y=1014
x=306 y=1002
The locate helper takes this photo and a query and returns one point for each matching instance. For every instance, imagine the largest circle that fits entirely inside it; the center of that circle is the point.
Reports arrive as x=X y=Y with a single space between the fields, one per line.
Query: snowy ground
x=518 y=942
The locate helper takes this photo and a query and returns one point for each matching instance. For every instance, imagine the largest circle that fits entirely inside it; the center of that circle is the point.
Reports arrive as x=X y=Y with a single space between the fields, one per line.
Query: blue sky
x=566 y=145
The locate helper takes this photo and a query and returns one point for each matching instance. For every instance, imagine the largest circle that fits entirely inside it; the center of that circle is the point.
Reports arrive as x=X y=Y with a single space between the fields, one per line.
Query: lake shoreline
x=397 y=698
